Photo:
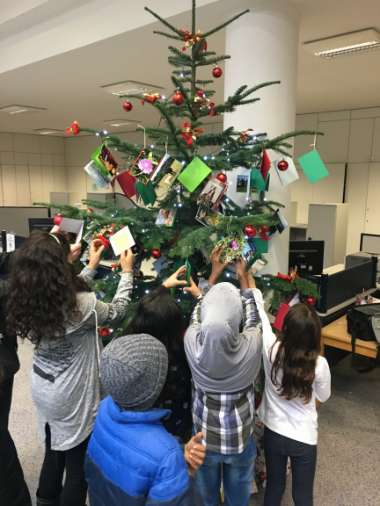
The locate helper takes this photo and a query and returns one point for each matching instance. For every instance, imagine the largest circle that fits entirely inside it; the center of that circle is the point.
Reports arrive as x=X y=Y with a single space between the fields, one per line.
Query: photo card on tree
x=239 y=185
x=212 y=194
x=166 y=175
x=166 y=217
x=104 y=159
x=207 y=217
x=100 y=177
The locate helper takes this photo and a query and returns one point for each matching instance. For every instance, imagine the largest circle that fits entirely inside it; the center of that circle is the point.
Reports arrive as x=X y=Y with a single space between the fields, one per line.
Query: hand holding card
x=122 y=241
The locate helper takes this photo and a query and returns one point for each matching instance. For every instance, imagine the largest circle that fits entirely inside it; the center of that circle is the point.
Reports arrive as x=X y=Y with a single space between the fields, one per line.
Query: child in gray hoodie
x=223 y=346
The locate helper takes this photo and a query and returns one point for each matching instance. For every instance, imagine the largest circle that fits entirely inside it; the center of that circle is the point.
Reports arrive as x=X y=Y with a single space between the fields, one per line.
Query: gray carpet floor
x=348 y=471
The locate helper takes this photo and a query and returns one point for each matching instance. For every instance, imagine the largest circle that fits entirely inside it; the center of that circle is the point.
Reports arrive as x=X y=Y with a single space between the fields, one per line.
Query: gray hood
x=220 y=356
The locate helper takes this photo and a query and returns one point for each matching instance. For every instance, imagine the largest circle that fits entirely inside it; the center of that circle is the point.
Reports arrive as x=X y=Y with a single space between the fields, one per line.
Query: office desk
x=335 y=335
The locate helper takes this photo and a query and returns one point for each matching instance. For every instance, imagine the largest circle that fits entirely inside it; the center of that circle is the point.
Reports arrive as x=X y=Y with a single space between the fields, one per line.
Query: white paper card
x=239 y=185
x=72 y=226
x=289 y=175
x=122 y=241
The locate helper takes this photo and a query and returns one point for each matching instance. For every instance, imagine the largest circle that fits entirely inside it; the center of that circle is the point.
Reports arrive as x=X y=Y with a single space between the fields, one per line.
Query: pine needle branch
x=164 y=22
x=168 y=35
x=226 y=23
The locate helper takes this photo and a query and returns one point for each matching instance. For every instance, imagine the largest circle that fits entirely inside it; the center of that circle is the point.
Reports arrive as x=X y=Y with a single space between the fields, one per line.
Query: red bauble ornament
x=104 y=332
x=250 y=231
x=200 y=93
x=282 y=165
x=127 y=105
x=104 y=241
x=178 y=98
x=310 y=300
x=75 y=128
x=156 y=253
x=68 y=131
x=57 y=219
x=217 y=72
x=221 y=177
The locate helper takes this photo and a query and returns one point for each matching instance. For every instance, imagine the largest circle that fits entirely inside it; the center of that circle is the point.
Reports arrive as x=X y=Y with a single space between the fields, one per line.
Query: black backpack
x=363 y=322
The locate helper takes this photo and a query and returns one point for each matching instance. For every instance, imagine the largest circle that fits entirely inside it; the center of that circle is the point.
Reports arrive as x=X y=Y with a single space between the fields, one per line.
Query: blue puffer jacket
x=133 y=461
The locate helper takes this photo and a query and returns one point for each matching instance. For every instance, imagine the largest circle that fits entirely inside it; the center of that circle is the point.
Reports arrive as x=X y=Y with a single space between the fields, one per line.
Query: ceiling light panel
x=118 y=122
x=15 y=109
x=130 y=88
x=359 y=41
x=48 y=131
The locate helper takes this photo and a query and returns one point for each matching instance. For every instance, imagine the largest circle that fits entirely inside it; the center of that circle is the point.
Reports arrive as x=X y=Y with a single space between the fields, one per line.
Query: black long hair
x=299 y=348
x=159 y=315
x=43 y=288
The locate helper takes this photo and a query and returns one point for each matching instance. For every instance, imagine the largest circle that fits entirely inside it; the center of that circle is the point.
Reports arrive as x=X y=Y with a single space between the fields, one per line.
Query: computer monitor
x=307 y=256
x=45 y=224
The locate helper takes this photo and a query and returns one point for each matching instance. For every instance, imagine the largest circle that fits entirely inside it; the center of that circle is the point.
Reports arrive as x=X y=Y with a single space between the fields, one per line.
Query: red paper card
x=127 y=183
x=280 y=317
x=265 y=164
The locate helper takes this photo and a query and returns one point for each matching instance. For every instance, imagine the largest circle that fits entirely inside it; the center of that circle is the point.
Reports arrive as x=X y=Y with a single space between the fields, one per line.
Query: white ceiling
x=69 y=84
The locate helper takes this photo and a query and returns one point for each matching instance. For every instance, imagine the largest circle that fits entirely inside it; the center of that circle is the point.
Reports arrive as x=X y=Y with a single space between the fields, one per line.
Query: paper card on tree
x=72 y=226
x=258 y=183
x=193 y=175
x=239 y=185
x=146 y=192
x=122 y=241
x=127 y=183
x=100 y=178
x=261 y=245
x=170 y=170
x=313 y=166
x=104 y=160
x=212 y=194
x=282 y=222
x=280 y=317
x=166 y=164
x=265 y=164
x=166 y=217
x=290 y=174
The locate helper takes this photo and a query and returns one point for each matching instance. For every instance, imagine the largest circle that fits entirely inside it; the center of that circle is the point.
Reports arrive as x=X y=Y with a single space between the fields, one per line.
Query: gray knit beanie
x=133 y=371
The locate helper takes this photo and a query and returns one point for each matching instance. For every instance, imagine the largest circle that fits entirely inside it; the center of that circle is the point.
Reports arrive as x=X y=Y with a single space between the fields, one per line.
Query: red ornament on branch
x=222 y=177
x=156 y=253
x=217 y=72
x=150 y=97
x=178 y=98
x=250 y=231
x=127 y=105
x=282 y=165
x=211 y=109
x=104 y=332
x=106 y=243
x=264 y=232
x=189 y=134
x=73 y=129
x=310 y=300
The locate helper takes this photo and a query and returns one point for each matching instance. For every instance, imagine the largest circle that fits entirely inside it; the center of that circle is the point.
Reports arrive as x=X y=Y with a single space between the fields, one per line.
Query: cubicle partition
x=16 y=219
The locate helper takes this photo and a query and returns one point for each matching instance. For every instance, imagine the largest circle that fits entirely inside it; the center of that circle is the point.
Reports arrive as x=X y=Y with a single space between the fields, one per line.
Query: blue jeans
x=236 y=473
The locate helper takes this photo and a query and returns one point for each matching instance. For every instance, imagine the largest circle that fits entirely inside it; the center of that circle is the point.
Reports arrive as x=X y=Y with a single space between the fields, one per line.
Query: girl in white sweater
x=297 y=378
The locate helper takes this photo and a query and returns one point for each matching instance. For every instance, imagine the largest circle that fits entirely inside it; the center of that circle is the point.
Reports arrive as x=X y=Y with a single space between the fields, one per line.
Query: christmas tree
x=191 y=189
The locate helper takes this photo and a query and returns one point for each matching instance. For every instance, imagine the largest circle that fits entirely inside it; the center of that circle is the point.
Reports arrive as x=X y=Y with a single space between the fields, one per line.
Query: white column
x=263 y=46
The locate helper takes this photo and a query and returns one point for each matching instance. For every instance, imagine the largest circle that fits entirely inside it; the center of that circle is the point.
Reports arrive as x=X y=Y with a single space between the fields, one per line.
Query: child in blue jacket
x=132 y=460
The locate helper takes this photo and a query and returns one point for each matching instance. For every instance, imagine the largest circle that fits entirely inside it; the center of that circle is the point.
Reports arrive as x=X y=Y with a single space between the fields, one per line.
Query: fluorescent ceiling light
x=20 y=109
x=117 y=122
x=48 y=131
x=344 y=43
x=130 y=88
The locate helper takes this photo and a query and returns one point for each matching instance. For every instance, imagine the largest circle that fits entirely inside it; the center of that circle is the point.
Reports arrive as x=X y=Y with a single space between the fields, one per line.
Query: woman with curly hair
x=54 y=308
x=296 y=379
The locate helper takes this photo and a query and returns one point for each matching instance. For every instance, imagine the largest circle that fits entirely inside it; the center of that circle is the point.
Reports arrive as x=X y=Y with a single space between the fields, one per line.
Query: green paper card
x=146 y=192
x=97 y=158
x=193 y=175
x=313 y=166
x=261 y=246
x=257 y=181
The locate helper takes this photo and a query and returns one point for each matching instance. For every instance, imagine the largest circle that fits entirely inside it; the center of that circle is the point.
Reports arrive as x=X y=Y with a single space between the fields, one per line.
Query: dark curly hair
x=43 y=288
x=296 y=358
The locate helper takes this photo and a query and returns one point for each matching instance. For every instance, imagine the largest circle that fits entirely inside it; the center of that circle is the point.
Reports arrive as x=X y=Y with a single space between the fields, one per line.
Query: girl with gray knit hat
x=223 y=346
